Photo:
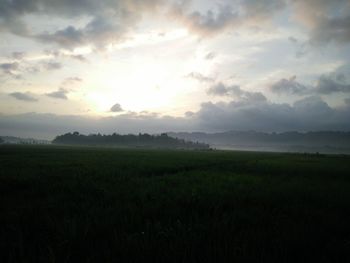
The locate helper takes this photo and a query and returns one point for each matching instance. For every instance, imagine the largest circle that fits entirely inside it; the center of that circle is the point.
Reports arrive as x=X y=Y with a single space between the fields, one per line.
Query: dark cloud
x=68 y=37
x=59 y=94
x=228 y=16
x=334 y=82
x=347 y=101
x=327 y=21
x=328 y=85
x=63 y=8
x=66 y=8
x=212 y=23
x=255 y=97
x=23 y=96
x=260 y=10
x=49 y=125
x=308 y=114
x=199 y=77
x=101 y=30
x=313 y=106
x=331 y=30
x=116 y=108
x=110 y=20
x=220 y=89
x=9 y=68
x=340 y=77
x=189 y=113
x=289 y=87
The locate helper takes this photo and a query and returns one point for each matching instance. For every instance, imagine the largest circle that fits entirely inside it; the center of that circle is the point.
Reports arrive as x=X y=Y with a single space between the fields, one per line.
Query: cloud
x=220 y=89
x=313 y=106
x=189 y=114
x=59 y=94
x=14 y=11
x=10 y=21
x=23 y=96
x=334 y=82
x=308 y=114
x=227 y=16
x=211 y=23
x=49 y=125
x=288 y=87
x=21 y=66
x=68 y=37
x=52 y=65
x=327 y=21
x=9 y=68
x=328 y=85
x=302 y=47
x=71 y=81
x=59 y=54
x=293 y=40
x=18 y=55
x=340 y=77
x=210 y=56
x=261 y=10
x=331 y=30
x=347 y=101
x=80 y=58
x=199 y=77
x=109 y=20
x=116 y=108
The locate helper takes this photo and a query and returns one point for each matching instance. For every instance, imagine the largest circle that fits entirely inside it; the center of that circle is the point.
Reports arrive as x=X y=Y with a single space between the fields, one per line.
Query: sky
x=130 y=66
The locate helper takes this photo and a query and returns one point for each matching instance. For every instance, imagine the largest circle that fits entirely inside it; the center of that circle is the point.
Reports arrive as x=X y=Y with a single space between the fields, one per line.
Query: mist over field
x=312 y=142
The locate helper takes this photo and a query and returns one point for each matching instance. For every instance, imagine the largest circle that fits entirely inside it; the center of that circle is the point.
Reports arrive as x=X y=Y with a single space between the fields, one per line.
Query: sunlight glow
x=141 y=87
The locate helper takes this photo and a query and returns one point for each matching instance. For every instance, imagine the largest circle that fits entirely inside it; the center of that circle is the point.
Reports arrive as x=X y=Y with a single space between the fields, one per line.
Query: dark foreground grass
x=60 y=204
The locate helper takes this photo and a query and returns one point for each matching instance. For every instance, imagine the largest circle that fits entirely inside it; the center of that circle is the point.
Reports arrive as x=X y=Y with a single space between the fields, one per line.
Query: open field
x=61 y=204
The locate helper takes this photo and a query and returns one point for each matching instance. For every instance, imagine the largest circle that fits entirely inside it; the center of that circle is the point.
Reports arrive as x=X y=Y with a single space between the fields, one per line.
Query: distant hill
x=140 y=141
x=17 y=140
x=321 y=141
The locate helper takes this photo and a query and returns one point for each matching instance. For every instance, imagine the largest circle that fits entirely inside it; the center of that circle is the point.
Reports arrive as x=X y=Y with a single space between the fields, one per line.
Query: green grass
x=61 y=204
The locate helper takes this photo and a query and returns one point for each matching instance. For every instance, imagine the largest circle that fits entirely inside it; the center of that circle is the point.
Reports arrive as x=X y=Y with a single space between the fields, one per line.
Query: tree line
x=142 y=140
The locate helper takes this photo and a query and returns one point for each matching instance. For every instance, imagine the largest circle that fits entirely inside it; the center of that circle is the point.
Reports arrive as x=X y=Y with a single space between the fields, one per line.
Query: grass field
x=61 y=204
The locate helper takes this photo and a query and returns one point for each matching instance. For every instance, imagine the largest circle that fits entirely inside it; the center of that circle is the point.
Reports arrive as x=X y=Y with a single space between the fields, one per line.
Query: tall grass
x=62 y=204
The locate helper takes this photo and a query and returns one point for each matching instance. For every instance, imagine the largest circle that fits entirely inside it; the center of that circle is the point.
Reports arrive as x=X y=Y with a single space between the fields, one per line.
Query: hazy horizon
x=154 y=66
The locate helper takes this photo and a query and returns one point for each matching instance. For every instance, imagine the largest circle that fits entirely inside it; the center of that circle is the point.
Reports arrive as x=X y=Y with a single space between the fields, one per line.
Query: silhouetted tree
x=1 y=140
x=130 y=140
